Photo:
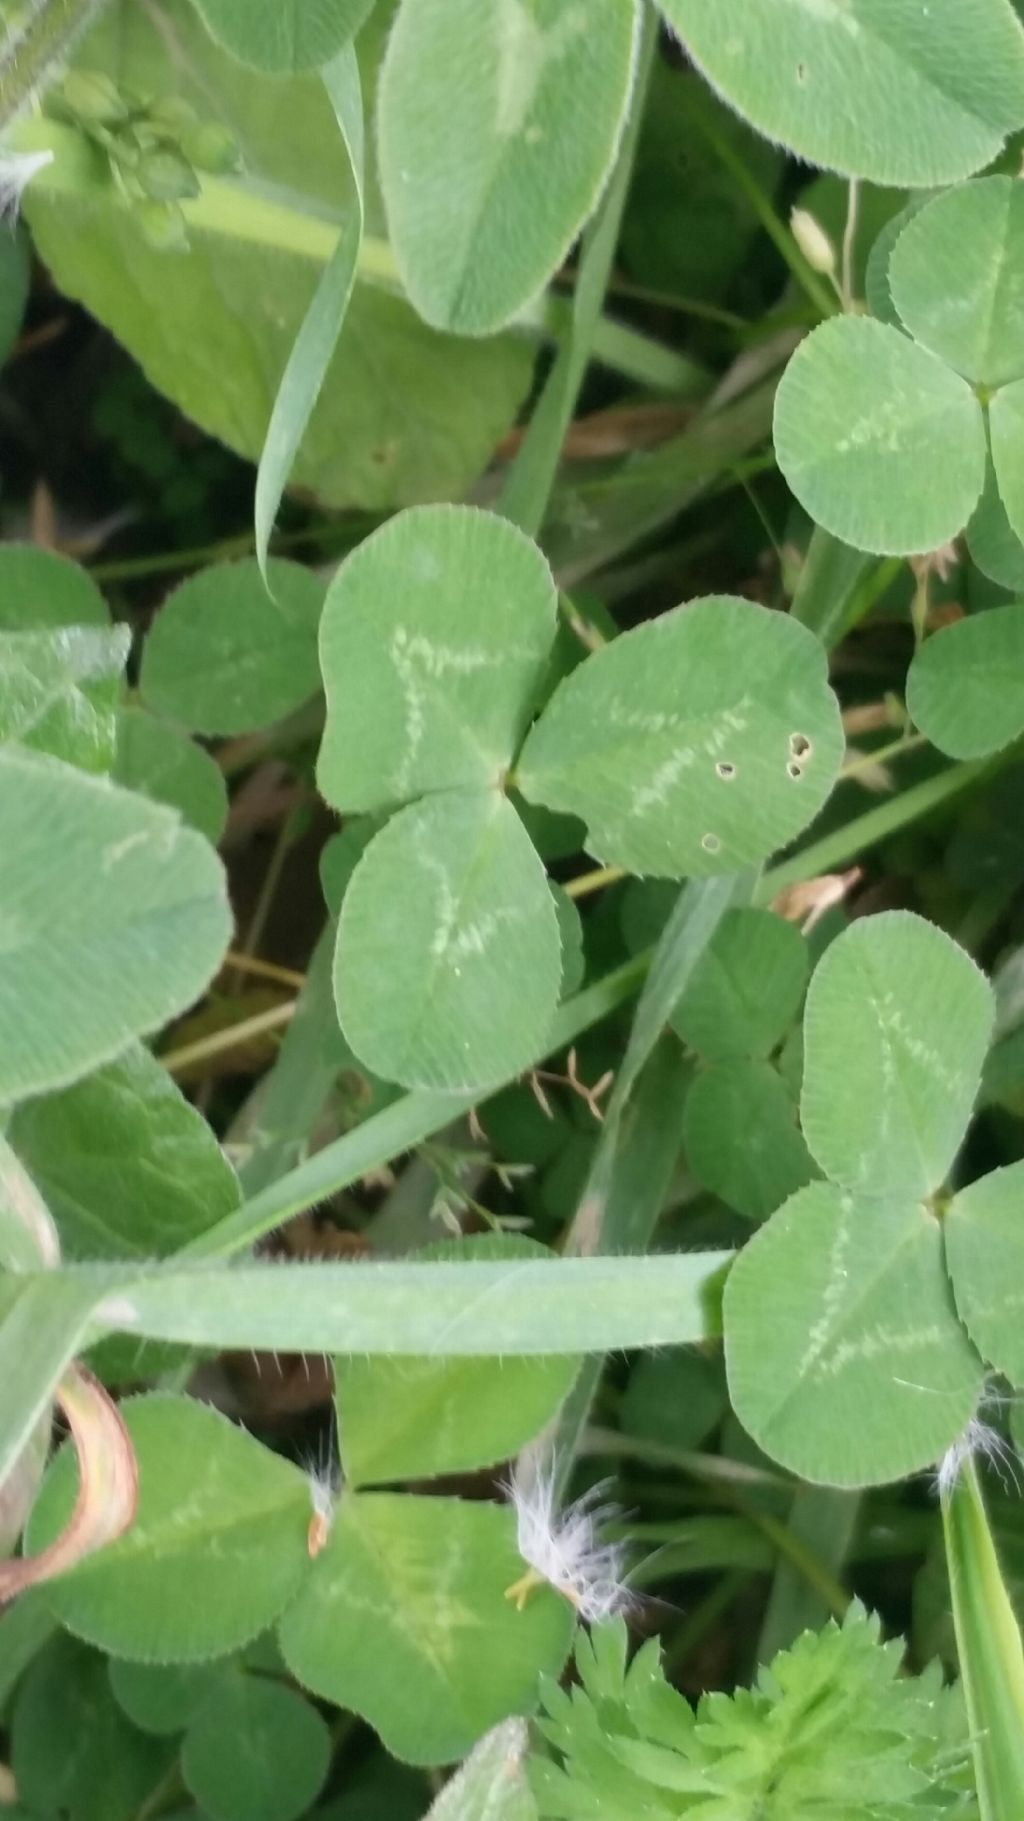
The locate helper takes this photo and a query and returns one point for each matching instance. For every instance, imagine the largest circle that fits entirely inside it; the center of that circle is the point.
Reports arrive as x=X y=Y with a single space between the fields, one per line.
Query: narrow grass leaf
x=412 y=1419
x=524 y=496
x=316 y=340
x=988 y=1647
x=522 y=1306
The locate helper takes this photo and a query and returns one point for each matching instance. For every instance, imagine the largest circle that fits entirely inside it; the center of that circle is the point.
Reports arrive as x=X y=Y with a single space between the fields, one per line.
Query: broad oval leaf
x=256 y=1750
x=102 y=1766
x=217 y=1548
x=40 y=589
x=449 y=961
x=935 y=92
x=1006 y=436
x=871 y=1376
x=226 y=657
x=435 y=636
x=113 y=917
x=126 y=1166
x=425 y=434
x=497 y=126
x=676 y=1397
x=741 y=1137
x=896 y=1028
x=746 y=988
x=956 y=275
x=965 y=688
x=283 y=37
x=877 y=292
x=696 y=744
x=984 y=1229
x=994 y=545
x=451 y=1656
x=859 y=414
x=59 y=689
x=159 y=760
x=162 y=1697
x=409 y=1418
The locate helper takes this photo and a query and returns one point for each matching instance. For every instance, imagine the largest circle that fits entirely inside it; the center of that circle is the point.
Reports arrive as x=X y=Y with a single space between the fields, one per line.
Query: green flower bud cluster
x=157 y=150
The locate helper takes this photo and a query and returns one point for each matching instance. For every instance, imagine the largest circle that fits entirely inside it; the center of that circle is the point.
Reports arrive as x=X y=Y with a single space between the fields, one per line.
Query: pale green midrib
x=868 y=1287
x=493 y=178
x=875 y=995
x=379 y=1561
x=287 y=221
x=167 y=1539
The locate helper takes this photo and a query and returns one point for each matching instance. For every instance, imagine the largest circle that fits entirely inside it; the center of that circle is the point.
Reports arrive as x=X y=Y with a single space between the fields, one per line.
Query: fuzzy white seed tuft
x=565 y=1550
x=17 y=170
x=977 y=1440
x=324 y=1479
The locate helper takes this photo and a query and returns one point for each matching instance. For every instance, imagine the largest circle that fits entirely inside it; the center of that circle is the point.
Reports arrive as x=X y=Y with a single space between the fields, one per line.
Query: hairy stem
x=28 y=55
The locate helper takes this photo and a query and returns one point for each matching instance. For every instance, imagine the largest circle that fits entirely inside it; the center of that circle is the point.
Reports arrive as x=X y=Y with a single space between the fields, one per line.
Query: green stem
x=829 y=576
x=854 y=838
x=806 y=1588
x=524 y=497
x=284 y=221
x=396 y=1129
x=989 y=1647
x=816 y=291
x=828 y=1592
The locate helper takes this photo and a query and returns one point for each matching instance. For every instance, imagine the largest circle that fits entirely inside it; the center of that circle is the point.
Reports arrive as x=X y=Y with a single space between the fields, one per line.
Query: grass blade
x=315 y=343
x=990 y=1650
x=506 y=1307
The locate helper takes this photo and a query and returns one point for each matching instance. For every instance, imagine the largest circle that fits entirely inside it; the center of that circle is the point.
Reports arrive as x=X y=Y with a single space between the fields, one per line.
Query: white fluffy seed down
x=17 y=170
x=977 y=1441
x=564 y=1548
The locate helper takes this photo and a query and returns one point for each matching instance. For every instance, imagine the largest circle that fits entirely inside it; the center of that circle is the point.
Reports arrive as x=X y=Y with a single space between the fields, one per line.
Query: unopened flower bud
x=163 y=226
x=813 y=241
x=90 y=96
x=165 y=176
x=212 y=148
